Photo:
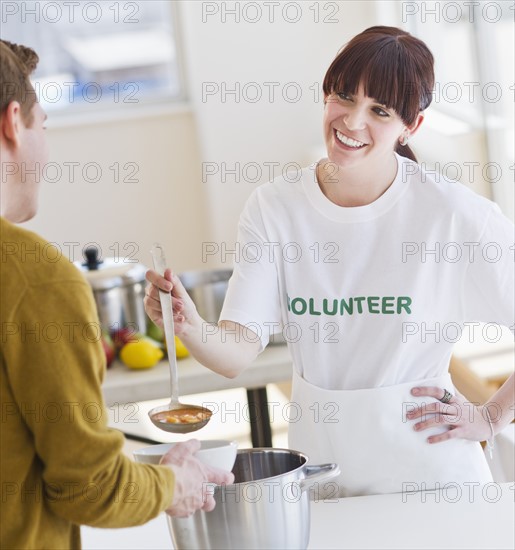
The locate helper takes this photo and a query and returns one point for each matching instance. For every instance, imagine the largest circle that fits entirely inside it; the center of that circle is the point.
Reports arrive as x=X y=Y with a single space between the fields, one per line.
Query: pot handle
x=318 y=473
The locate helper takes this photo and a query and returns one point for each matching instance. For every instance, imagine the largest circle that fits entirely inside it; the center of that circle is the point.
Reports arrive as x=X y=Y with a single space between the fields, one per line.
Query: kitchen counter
x=482 y=517
x=124 y=385
x=426 y=519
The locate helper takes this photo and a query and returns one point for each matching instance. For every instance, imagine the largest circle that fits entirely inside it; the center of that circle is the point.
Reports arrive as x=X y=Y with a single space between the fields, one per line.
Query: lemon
x=180 y=349
x=141 y=355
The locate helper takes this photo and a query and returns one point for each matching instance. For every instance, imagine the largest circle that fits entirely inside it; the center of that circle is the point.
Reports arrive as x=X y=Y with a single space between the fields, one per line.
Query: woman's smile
x=347 y=142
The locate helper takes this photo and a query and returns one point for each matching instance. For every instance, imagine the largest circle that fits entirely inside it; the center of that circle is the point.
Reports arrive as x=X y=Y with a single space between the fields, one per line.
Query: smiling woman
x=369 y=196
x=375 y=92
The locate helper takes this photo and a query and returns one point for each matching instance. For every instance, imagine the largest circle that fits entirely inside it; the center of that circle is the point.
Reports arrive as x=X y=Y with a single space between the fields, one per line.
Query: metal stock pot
x=119 y=289
x=207 y=289
x=266 y=507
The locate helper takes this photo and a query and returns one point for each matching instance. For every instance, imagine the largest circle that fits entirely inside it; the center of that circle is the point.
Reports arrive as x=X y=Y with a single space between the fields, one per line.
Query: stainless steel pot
x=119 y=290
x=207 y=289
x=266 y=507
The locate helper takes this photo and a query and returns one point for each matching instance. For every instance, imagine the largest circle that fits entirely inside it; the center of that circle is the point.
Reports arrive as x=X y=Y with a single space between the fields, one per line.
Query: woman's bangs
x=383 y=76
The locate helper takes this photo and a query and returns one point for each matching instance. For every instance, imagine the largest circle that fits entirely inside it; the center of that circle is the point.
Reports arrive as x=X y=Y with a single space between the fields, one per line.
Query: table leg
x=260 y=428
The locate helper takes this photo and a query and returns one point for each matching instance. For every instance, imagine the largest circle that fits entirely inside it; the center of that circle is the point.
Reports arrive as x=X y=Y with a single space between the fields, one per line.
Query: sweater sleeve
x=55 y=369
x=488 y=289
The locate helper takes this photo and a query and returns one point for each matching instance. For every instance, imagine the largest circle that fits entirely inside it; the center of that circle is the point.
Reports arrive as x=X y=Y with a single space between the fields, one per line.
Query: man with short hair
x=61 y=466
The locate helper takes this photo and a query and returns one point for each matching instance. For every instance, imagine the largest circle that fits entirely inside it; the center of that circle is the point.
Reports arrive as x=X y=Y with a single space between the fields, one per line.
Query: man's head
x=23 y=148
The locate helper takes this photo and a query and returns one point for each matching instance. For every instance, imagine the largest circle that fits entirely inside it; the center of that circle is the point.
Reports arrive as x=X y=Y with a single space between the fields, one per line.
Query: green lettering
x=312 y=310
x=403 y=302
x=388 y=302
x=348 y=307
x=325 y=309
x=359 y=301
x=373 y=302
x=303 y=304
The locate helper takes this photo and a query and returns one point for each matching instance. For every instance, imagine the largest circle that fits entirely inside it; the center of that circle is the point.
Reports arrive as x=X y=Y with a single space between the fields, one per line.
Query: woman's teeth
x=348 y=141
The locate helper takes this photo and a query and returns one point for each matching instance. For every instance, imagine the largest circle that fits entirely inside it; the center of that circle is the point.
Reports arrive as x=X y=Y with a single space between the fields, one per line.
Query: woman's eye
x=344 y=96
x=381 y=112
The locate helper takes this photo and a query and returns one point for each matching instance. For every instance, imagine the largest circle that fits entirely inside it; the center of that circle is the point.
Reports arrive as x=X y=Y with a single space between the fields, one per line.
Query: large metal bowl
x=207 y=289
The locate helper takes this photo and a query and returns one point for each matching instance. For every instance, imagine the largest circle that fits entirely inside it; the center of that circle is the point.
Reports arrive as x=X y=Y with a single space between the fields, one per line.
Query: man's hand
x=192 y=480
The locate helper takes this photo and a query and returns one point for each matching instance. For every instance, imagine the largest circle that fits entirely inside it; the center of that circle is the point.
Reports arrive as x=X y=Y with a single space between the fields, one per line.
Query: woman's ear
x=413 y=129
x=10 y=124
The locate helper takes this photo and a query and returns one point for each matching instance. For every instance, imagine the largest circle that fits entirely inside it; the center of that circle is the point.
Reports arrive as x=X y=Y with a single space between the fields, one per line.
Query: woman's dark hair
x=395 y=68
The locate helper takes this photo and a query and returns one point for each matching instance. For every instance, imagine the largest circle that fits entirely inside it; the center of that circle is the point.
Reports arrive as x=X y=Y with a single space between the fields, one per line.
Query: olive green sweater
x=61 y=466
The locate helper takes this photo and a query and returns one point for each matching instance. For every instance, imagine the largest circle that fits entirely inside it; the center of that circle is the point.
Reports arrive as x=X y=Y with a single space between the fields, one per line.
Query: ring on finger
x=447 y=396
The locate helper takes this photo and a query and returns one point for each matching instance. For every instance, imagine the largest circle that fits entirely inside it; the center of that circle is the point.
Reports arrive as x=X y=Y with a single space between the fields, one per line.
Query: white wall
x=166 y=203
x=234 y=129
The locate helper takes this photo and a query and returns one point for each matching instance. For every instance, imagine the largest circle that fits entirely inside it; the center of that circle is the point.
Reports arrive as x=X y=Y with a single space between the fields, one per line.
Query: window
x=472 y=43
x=98 y=53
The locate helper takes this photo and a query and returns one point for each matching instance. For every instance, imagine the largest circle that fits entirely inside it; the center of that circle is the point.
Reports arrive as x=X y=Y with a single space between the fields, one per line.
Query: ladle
x=158 y=414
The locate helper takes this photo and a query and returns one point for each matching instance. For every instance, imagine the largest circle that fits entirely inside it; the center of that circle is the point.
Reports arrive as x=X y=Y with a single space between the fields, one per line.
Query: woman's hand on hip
x=463 y=419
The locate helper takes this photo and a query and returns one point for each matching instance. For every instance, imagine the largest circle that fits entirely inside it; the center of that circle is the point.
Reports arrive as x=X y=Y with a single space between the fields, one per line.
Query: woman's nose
x=354 y=119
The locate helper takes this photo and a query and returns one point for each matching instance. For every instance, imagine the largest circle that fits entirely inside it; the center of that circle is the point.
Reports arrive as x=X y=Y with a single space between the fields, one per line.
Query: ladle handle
x=165 y=298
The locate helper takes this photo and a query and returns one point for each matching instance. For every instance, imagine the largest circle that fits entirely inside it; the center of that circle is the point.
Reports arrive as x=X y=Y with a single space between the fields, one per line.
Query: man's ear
x=10 y=124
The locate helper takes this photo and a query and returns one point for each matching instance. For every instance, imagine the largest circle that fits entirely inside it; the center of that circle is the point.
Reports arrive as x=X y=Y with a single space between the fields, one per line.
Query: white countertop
x=124 y=385
x=483 y=517
x=438 y=519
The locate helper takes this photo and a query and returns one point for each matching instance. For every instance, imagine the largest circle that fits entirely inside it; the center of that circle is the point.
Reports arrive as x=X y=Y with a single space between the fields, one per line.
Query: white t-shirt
x=374 y=295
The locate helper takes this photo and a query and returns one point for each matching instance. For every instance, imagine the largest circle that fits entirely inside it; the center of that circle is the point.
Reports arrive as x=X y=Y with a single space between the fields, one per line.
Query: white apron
x=377 y=449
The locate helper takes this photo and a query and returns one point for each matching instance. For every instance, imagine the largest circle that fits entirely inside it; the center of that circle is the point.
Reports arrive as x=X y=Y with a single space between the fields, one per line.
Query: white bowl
x=217 y=453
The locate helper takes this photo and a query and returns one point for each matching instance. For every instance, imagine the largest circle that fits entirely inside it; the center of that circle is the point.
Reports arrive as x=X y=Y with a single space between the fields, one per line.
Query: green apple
x=155 y=332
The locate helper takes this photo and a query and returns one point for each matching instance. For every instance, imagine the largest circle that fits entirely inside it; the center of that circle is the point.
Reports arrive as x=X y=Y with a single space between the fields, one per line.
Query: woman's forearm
x=501 y=407
x=227 y=348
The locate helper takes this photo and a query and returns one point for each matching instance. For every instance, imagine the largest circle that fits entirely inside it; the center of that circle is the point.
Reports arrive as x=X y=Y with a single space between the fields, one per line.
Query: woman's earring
x=404 y=141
